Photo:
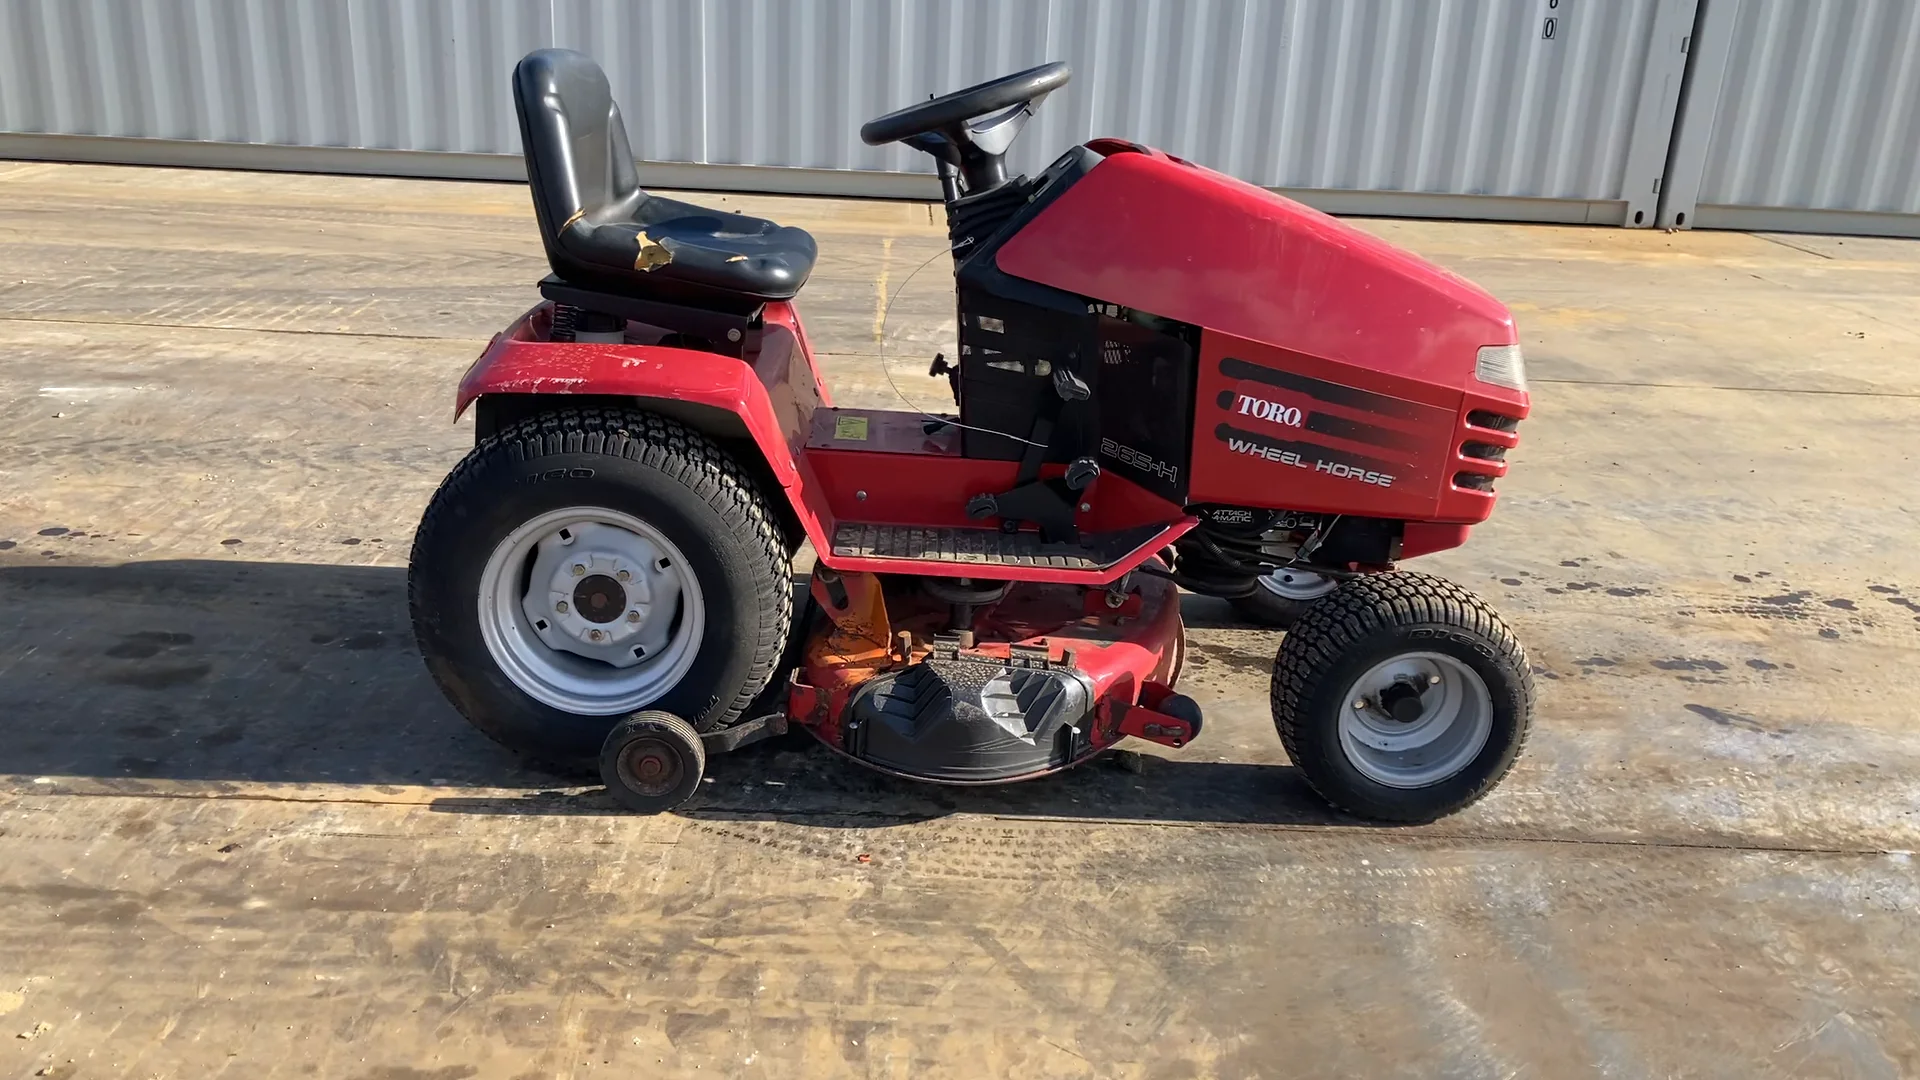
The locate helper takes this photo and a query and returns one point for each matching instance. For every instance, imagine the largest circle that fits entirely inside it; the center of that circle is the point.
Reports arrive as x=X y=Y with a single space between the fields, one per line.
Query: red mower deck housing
x=1108 y=659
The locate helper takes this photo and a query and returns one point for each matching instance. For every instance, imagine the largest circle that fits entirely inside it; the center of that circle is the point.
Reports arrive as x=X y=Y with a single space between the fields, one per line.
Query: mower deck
x=1043 y=677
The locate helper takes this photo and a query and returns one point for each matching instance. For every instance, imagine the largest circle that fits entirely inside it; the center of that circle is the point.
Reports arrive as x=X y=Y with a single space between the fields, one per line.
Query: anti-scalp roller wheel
x=652 y=762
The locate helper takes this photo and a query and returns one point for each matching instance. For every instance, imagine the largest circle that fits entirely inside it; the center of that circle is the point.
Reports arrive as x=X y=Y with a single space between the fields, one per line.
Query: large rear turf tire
x=1401 y=697
x=514 y=569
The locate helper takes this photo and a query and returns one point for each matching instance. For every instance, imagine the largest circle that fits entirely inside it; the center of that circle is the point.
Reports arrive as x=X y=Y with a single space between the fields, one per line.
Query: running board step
x=988 y=547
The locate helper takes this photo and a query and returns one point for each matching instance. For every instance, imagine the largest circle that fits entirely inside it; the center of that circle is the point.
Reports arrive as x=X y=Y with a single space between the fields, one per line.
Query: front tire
x=1401 y=697
x=1281 y=596
x=584 y=564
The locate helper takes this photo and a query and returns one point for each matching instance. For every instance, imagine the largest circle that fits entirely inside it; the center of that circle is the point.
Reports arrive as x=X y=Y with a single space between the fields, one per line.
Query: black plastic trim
x=726 y=332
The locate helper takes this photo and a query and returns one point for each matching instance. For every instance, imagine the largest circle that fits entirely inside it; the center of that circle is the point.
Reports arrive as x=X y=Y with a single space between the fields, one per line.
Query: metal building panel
x=1384 y=95
x=655 y=61
x=392 y=74
x=1801 y=115
x=1819 y=108
x=1454 y=96
x=1501 y=100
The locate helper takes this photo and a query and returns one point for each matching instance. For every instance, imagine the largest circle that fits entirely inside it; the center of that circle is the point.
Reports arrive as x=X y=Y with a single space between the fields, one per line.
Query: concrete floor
x=241 y=834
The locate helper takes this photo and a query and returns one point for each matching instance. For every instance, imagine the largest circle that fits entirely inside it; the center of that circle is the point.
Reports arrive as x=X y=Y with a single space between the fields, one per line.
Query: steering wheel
x=963 y=105
x=976 y=150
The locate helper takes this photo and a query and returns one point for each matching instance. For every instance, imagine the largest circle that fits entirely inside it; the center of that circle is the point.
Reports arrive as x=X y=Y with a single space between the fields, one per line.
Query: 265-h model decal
x=1270 y=433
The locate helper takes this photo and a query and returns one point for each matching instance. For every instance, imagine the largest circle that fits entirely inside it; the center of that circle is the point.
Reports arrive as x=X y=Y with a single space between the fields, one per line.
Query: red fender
x=770 y=401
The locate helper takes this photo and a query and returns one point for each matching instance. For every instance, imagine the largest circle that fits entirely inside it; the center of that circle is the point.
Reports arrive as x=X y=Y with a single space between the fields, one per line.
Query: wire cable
x=886 y=313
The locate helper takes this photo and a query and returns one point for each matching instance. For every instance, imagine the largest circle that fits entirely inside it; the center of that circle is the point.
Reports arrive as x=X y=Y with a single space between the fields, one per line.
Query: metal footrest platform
x=986 y=547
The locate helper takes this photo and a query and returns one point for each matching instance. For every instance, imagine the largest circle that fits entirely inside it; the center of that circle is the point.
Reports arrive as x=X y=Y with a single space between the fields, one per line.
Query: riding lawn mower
x=1167 y=380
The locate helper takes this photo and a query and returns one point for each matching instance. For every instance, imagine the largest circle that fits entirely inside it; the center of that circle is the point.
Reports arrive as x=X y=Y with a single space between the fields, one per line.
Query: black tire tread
x=1338 y=621
x=676 y=727
x=665 y=446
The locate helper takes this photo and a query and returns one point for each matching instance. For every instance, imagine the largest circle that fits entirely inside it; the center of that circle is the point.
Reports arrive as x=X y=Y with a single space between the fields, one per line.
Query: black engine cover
x=1014 y=334
x=969 y=721
x=1144 y=398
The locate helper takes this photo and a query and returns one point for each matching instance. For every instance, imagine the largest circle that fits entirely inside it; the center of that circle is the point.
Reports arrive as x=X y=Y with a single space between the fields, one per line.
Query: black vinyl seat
x=602 y=232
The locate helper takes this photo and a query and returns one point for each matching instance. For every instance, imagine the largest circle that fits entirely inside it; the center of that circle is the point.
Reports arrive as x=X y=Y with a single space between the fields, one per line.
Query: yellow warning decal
x=850 y=427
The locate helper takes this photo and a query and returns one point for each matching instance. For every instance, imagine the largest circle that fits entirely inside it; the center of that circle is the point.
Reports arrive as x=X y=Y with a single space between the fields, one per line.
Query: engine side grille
x=1493 y=421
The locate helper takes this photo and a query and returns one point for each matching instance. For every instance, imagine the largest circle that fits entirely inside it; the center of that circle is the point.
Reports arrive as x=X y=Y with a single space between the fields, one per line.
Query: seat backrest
x=579 y=163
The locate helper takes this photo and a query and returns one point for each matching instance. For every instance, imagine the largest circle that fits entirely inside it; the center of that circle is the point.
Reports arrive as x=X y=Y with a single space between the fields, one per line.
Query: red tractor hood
x=1158 y=234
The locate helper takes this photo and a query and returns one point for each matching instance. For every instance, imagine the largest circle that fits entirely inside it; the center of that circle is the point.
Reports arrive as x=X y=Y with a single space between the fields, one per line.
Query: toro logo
x=1271 y=411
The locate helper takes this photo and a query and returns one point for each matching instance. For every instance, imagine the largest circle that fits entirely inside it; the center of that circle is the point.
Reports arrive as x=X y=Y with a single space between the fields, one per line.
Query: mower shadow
x=219 y=672
x=808 y=785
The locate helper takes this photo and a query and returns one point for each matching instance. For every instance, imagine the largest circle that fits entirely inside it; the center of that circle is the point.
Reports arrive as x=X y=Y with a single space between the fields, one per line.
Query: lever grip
x=1069 y=386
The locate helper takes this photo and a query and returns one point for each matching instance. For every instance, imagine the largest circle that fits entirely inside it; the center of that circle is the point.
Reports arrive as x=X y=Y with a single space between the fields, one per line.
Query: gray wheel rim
x=547 y=601
x=1454 y=723
x=1298 y=585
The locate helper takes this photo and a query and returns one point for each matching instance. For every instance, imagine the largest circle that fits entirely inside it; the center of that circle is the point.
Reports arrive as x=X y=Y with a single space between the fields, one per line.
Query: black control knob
x=951 y=371
x=1081 y=472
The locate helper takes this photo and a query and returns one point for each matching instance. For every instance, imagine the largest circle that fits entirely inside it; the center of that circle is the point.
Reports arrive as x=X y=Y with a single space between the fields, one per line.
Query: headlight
x=1501 y=365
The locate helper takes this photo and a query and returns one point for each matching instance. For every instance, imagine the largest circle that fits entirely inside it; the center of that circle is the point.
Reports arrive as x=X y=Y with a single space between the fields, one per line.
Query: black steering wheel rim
x=963 y=105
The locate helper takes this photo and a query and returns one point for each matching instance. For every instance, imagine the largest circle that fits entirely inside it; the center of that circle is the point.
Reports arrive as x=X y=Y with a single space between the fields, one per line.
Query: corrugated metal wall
x=1820 y=107
x=403 y=74
x=1802 y=115
x=1482 y=98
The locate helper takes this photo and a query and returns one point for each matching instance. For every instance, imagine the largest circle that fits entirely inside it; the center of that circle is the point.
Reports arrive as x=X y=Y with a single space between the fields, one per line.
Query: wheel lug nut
x=561 y=607
x=579 y=570
x=1360 y=703
x=1433 y=680
x=633 y=616
x=595 y=635
x=624 y=576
